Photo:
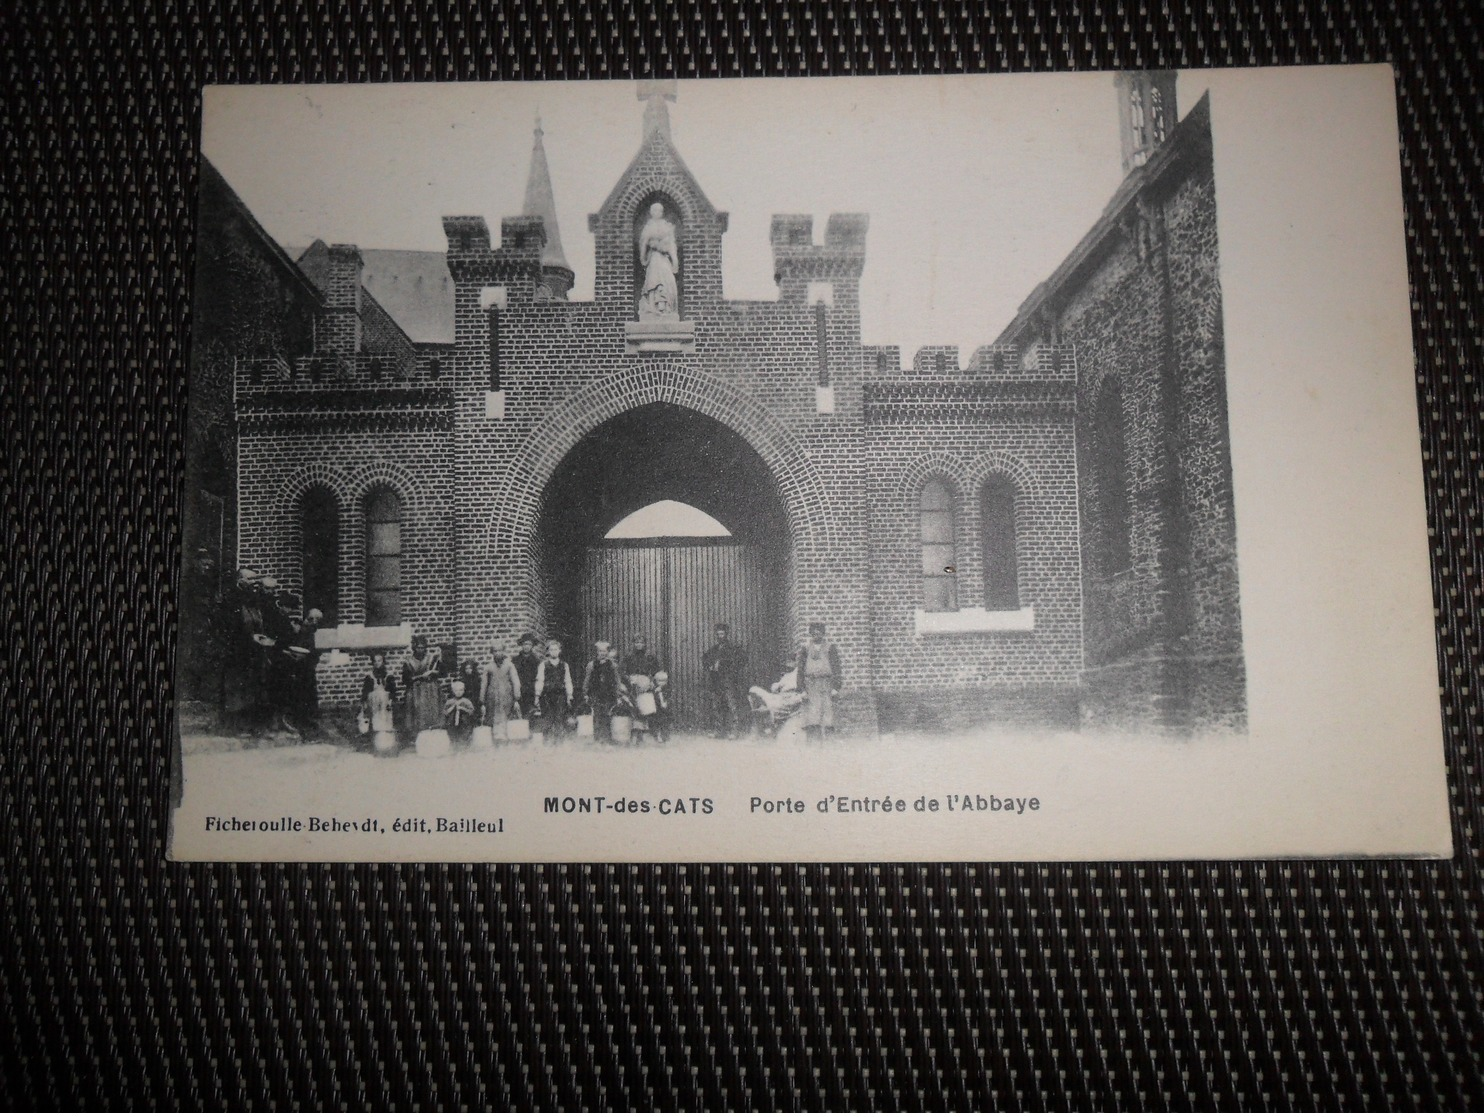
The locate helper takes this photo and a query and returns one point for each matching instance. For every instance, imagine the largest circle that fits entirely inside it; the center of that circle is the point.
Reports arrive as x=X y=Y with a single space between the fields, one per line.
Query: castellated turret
x=798 y=261
x=516 y=265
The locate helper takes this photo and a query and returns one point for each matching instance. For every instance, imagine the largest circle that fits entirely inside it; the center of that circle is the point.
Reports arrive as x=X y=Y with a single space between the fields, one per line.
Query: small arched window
x=939 y=561
x=319 y=535
x=998 y=528
x=383 y=558
x=1110 y=484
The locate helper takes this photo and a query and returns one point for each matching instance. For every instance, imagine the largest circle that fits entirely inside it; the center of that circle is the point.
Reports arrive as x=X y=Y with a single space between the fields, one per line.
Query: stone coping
x=976 y=620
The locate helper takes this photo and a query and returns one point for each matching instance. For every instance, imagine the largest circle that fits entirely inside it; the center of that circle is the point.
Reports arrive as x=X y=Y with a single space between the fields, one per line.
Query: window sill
x=976 y=620
x=355 y=636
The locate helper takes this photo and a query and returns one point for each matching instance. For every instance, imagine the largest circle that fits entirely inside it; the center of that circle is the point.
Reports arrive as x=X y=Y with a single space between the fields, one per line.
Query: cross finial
x=654 y=94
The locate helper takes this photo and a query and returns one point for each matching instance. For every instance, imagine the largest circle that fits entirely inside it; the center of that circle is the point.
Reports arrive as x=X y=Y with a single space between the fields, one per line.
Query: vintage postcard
x=969 y=468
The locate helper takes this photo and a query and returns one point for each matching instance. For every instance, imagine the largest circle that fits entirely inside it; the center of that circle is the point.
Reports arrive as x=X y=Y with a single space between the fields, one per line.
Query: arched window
x=939 y=563
x=997 y=527
x=383 y=558
x=319 y=535
x=1110 y=484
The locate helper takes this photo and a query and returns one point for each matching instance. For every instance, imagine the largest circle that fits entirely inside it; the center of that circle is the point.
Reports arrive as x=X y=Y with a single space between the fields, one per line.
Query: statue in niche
x=659 y=256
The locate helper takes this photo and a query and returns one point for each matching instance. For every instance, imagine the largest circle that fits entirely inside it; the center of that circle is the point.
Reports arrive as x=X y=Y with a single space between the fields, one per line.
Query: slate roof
x=414 y=288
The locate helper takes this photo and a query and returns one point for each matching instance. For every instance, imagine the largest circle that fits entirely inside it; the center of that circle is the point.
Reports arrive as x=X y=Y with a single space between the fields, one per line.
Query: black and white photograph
x=943 y=468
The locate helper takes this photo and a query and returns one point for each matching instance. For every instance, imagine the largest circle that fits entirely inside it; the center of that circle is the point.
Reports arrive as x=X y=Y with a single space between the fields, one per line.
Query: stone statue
x=659 y=256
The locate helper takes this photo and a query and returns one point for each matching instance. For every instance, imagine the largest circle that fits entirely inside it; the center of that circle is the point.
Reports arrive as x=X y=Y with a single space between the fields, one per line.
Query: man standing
x=527 y=663
x=641 y=660
x=818 y=676
x=306 y=678
x=724 y=664
x=601 y=687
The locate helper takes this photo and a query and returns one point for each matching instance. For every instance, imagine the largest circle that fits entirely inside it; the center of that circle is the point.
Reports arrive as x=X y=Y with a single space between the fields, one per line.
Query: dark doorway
x=670 y=590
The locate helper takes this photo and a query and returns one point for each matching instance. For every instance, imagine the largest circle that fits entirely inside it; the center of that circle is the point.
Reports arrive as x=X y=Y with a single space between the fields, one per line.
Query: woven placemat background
x=128 y=981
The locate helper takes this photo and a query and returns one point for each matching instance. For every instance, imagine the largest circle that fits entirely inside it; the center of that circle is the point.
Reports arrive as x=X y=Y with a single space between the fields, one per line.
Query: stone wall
x=1140 y=302
x=249 y=303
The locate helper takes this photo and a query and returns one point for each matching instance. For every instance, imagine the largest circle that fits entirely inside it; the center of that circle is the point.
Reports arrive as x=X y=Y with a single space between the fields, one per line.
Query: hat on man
x=816 y=628
x=269 y=583
x=527 y=638
x=246 y=576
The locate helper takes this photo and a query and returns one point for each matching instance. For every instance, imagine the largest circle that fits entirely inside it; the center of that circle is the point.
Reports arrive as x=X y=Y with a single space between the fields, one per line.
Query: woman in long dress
x=420 y=678
x=499 y=690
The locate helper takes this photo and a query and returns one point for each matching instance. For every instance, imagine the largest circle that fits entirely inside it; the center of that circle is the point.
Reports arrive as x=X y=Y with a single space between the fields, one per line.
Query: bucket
x=384 y=742
x=518 y=729
x=483 y=737
x=644 y=703
x=623 y=729
x=584 y=725
x=433 y=743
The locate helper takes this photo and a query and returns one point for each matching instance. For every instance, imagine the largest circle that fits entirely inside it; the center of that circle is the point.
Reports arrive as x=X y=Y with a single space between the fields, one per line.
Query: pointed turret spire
x=556 y=274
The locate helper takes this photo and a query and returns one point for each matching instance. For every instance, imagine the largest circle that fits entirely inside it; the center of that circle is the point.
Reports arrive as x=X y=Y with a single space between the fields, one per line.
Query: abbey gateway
x=439 y=444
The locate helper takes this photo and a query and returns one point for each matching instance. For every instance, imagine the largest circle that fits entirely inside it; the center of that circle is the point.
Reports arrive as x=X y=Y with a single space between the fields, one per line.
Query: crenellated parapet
x=1039 y=362
x=798 y=261
x=515 y=265
x=1040 y=380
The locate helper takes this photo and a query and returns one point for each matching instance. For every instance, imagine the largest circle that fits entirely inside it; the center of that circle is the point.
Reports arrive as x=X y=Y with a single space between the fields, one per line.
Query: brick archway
x=518 y=500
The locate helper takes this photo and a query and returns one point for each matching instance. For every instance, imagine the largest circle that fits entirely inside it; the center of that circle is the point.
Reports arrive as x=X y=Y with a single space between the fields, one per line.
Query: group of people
x=269 y=685
x=268 y=682
x=516 y=692
x=804 y=696
x=524 y=690
x=806 y=692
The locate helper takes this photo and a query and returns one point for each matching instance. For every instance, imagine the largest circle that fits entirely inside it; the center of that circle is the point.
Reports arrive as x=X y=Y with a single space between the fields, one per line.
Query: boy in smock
x=553 y=693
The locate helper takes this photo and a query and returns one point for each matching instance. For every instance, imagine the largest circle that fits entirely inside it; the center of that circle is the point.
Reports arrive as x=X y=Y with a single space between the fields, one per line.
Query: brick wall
x=1004 y=422
x=1136 y=311
x=565 y=369
x=281 y=464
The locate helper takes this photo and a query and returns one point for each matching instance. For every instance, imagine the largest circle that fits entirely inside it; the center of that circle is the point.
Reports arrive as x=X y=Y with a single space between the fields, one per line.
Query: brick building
x=1041 y=534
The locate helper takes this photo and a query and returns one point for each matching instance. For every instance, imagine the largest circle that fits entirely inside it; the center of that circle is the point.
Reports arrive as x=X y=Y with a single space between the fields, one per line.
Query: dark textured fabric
x=128 y=981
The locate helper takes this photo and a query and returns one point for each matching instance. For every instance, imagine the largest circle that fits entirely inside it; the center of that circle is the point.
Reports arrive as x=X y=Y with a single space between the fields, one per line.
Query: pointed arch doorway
x=662 y=523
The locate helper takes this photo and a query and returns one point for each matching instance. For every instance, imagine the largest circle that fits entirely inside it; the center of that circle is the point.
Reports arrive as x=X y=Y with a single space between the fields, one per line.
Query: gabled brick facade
x=473 y=438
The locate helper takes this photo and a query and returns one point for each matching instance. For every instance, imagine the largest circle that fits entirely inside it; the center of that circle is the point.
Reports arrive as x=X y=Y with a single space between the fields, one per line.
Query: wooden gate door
x=673 y=593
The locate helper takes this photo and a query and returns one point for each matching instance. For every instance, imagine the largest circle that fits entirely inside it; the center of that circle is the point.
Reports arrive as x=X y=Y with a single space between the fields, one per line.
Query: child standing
x=378 y=693
x=553 y=693
x=500 y=692
x=458 y=714
x=659 y=721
